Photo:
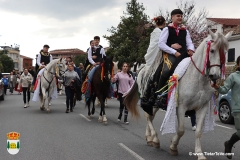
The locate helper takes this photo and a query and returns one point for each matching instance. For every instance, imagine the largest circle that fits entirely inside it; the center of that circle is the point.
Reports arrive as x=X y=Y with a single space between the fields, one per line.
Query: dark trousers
x=122 y=106
x=11 y=87
x=170 y=63
x=69 y=95
x=5 y=89
x=26 y=94
x=193 y=119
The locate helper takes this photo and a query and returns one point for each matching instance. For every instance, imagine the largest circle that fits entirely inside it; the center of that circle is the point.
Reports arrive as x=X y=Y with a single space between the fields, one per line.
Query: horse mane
x=51 y=64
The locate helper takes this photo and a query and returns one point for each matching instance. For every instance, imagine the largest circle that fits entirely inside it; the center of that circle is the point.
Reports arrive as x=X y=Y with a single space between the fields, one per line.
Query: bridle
x=105 y=75
x=207 y=63
x=53 y=74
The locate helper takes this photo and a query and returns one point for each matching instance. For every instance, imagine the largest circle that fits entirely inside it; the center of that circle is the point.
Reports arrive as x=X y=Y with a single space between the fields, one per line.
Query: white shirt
x=162 y=44
x=102 y=52
x=39 y=59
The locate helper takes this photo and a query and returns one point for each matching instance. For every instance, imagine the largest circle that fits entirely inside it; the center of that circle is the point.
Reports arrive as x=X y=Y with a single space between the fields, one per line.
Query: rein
x=207 y=65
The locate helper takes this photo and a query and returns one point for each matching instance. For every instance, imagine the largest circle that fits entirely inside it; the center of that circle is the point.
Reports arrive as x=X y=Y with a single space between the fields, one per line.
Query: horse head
x=216 y=48
x=61 y=65
x=108 y=67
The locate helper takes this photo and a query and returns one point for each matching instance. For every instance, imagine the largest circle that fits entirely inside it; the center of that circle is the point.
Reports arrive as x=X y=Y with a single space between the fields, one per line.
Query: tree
x=80 y=59
x=7 y=62
x=196 y=23
x=1 y=67
x=128 y=41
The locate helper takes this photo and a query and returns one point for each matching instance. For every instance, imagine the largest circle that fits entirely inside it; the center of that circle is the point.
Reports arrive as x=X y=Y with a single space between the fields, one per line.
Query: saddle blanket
x=37 y=91
x=169 y=123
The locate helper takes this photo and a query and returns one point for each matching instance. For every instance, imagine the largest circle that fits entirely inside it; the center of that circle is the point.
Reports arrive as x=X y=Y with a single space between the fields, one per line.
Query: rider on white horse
x=176 y=43
x=43 y=57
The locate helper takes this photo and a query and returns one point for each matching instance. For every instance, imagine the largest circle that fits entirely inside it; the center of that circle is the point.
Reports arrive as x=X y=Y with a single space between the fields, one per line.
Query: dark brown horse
x=100 y=87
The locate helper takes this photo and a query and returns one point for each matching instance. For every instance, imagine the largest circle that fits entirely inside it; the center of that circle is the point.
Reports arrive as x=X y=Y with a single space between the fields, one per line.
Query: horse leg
x=41 y=101
x=88 y=104
x=180 y=130
x=198 y=133
x=49 y=102
x=103 y=111
x=43 y=98
x=100 y=115
x=151 y=134
x=106 y=103
x=93 y=100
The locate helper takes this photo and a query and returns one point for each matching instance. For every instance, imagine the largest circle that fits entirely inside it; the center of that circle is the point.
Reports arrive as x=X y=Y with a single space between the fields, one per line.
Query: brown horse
x=100 y=87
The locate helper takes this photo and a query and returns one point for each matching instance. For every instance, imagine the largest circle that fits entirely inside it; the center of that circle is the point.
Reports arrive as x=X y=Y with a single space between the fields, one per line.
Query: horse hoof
x=150 y=143
x=48 y=110
x=156 y=145
x=100 y=120
x=42 y=109
x=173 y=152
x=105 y=122
x=89 y=117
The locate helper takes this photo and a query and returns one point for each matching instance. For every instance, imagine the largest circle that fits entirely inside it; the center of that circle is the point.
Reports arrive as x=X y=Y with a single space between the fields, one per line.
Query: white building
x=14 y=53
x=225 y=25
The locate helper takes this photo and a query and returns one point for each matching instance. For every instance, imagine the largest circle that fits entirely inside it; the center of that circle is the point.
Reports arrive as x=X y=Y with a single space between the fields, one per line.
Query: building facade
x=25 y=62
x=14 y=54
x=60 y=53
x=224 y=25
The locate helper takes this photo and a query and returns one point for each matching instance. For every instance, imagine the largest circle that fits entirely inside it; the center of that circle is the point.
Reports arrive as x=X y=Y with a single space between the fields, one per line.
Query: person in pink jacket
x=125 y=81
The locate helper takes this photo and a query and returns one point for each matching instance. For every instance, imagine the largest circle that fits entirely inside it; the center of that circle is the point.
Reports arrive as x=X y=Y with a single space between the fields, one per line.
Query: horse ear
x=229 y=34
x=212 y=34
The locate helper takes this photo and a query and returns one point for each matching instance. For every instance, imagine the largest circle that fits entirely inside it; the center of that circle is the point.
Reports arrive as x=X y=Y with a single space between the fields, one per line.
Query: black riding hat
x=47 y=46
x=176 y=11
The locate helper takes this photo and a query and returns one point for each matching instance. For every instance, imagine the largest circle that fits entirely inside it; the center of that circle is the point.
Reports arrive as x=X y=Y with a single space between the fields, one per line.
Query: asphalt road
x=61 y=136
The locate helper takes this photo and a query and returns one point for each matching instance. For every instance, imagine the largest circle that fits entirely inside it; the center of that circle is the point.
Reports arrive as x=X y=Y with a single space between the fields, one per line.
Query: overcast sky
x=66 y=24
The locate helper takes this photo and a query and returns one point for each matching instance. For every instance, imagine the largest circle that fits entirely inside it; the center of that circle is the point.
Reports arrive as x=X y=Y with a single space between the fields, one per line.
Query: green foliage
x=130 y=39
x=1 y=67
x=7 y=62
x=80 y=59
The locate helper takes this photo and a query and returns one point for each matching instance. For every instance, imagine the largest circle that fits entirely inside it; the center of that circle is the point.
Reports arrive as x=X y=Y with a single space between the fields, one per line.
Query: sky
x=64 y=24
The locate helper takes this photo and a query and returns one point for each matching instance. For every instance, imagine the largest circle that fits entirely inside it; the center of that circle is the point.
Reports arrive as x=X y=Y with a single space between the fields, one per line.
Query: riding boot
x=161 y=101
x=148 y=100
x=229 y=144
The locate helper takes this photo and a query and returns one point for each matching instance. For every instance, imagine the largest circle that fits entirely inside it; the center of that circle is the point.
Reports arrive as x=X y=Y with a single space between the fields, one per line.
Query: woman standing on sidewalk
x=25 y=81
x=233 y=83
x=70 y=77
x=125 y=81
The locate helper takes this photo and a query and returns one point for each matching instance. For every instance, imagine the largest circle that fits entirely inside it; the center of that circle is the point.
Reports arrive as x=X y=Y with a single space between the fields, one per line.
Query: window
x=231 y=55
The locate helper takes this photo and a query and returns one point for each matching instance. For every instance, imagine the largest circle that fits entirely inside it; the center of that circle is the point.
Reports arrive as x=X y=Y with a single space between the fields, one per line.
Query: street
x=71 y=136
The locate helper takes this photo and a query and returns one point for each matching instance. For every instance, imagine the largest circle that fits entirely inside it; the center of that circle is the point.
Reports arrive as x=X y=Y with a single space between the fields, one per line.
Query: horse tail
x=131 y=100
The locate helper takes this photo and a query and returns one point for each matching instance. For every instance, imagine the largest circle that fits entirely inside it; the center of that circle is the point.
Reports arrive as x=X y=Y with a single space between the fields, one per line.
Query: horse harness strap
x=49 y=82
x=196 y=66
x=207 y=61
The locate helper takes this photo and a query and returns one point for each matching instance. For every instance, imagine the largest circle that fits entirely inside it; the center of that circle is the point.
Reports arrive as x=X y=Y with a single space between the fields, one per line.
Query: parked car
x=224 y=108
x=1 y=90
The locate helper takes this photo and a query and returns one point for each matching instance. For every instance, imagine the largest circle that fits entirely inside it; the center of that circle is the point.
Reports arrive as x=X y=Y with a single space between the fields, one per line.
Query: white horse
x=137 y=67
x=48 y=81
x=194 y=91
